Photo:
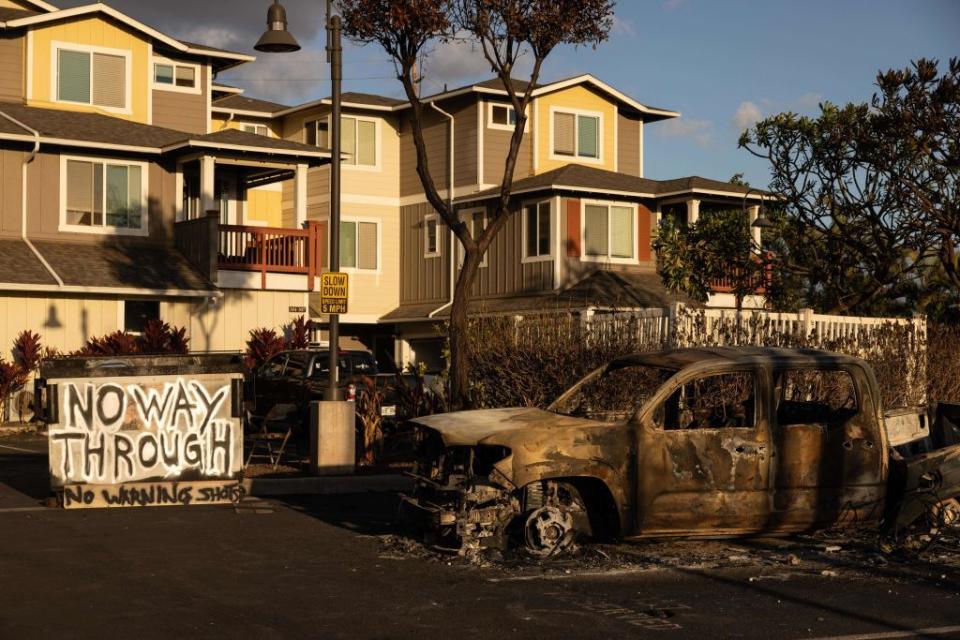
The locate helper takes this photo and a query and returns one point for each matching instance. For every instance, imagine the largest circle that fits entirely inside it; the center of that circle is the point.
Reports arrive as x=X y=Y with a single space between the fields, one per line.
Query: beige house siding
x=182 y=111
x=43 y=202
x=12 y=62
x=226 y=326
x=11 y=190
x=63 y=322
x=422 y=279
x=436 y=132
x=496 y=146
x=628 y=143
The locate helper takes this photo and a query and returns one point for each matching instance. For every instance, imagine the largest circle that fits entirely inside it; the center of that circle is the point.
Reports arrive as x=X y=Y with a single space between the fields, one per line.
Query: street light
x=762 y=221
x=278 y=40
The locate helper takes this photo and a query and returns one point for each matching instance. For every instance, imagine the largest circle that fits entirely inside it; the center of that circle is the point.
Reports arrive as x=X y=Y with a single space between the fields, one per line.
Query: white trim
x=57 y=45
x=243 y=112
x=42 y=5
x=503 y=127
x=246 y=123
x=196 y=89
x=222 y=88
x=426 y=247
x=590 y=79
x=84 y=144
x=715 y=192
x=641 y=150
x=608 y=259
x=561 y=253
x=377 y=201
x=466 y=216
x=150 y=96
x=536 y=135
x=370 y=220
x=209 y=98
x=554 y=231
x=105 y=230
x=576 y=157
x=480 y=143
x=616 y=138
x=179 y=214
x=29 y=68
x=348 y=105
x=203 y=144
x=118 y=291
x=63 y=14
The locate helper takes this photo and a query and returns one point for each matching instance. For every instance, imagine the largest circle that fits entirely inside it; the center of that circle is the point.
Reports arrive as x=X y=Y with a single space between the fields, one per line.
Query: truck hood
x=467 y=428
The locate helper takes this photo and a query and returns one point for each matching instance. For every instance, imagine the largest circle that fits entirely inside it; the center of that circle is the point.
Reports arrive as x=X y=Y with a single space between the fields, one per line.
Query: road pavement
x=331 y=567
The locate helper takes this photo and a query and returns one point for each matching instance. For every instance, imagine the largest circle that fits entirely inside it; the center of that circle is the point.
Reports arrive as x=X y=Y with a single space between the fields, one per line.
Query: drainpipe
x=23 y=203
x=453 y=237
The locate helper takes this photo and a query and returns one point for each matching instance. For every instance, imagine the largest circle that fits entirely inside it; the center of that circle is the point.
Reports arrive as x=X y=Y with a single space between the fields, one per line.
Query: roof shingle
x=243 y=103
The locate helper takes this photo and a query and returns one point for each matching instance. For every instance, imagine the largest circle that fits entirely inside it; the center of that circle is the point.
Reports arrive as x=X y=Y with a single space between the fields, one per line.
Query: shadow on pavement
x=24 y=476
x=364 y=513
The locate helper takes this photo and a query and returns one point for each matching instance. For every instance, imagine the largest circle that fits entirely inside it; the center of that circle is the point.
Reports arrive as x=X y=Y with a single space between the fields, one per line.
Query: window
x=170 y=75
x=274 y=367
x=502 y=116
x=576 y=135
x=536 y=225
x=613 y=394
x=358 y=245
x=431 y=236
x=296 y=366
x=259 y=129
x=317 y=133
x=103 y=195
x=723 y=401
x=476 y=222
x=359 y=140
x=91 y=77
x=609 y=232
x=815 y=396
x=137 y=313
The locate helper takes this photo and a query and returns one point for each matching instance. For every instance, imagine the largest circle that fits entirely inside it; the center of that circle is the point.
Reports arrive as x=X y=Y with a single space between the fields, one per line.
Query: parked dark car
x=296 y=378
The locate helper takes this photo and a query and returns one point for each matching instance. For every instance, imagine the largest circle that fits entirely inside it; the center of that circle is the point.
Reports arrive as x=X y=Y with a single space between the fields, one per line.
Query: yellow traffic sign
x=334 y=290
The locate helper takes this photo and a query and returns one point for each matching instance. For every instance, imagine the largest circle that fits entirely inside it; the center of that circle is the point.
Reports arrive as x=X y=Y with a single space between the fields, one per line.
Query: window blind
x=79 y=192
x=367 y=245
x=366 y=143
x=348 y=138
x=588 y=130
x=73 y=76
x=109 y=81
x=564 y=140
x=621 y=232
x=348 y=244
x=595 y=230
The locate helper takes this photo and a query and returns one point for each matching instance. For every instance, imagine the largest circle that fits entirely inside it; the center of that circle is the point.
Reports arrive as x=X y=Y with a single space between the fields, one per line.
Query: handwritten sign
x=162 y=429
x=334 y=290
x=152 y=494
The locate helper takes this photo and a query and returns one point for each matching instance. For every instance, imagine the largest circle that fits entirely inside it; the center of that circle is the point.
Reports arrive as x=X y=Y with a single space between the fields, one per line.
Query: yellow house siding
x=219 y=122
x=92 y=32
x=265 y=206
x=578 y=99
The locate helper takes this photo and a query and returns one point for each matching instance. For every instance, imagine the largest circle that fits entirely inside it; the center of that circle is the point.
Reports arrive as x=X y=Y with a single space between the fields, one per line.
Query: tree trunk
x=459 y=331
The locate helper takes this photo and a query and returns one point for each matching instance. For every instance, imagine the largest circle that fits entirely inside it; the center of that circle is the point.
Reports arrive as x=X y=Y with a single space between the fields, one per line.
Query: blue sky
x=722 y=63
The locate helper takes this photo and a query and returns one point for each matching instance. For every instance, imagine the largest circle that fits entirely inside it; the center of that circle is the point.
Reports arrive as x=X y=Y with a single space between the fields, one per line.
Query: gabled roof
x=97 y=131
x=352 y=100
x=245 y=105
x=227 y=58
x=9 y=13
x=580 y=178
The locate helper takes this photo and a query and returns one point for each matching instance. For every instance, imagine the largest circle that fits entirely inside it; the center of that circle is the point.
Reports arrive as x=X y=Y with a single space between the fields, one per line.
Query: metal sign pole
x=334 y=56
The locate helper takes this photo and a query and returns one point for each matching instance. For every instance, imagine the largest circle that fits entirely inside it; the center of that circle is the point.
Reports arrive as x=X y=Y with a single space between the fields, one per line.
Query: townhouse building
x=135 y=185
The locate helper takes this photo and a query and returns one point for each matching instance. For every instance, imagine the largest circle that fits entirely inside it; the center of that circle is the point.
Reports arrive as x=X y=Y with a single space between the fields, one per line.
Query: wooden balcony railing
x=758 y=282
x=272 y=250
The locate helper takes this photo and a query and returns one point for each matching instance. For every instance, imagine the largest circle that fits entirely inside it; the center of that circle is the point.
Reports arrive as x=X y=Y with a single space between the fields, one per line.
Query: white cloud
x=670 y=5
x=746 y=115
x=623 y=26
x=700 y=131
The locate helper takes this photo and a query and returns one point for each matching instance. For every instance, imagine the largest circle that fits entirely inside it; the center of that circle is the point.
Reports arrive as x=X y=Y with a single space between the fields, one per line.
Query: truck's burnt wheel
x=947 y=514
x=548 y=531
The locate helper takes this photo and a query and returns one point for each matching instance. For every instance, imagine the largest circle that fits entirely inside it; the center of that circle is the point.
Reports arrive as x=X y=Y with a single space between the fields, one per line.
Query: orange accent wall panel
x=644 y=241
x=573 y=228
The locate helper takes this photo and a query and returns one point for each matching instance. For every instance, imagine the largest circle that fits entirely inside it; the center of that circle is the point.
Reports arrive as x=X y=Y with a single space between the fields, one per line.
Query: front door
x=829 y=467
x=704 y=456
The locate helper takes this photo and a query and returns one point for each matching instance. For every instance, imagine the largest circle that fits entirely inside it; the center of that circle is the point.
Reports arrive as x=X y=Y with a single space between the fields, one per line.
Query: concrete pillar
x=332 y=438
x=208 y=196
x=754 y=213
x=300 y=195
x=178 y=193
x=693 y=211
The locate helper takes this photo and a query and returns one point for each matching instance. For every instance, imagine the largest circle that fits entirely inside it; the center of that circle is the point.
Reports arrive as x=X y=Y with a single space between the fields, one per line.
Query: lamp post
x=277 y=39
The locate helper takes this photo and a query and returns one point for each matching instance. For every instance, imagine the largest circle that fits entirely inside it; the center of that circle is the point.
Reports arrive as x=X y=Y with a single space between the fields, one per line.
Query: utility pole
x=335 y=58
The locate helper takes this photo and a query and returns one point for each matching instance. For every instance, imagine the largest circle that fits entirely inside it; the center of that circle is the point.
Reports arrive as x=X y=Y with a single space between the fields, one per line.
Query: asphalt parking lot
x=331 y=566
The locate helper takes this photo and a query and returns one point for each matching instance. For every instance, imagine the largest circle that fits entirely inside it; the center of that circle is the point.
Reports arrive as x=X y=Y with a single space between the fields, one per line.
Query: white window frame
x=378 y=151
x=307 y=121
x=504 y=127
x=427 y=219
x=196 y=90
x=55 y=48
x=122 y=314
x=576 y=135
x=242 y=123
x=553 y=230
x=379 y=223
x=608 y=259
x=466 y=216
x=144 y=229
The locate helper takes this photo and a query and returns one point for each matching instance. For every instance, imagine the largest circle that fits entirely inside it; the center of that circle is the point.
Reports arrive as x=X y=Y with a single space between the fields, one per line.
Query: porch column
x=178 y=193
x=753 y=213
x=693 y=211
x=300 y=195
x=208 y=199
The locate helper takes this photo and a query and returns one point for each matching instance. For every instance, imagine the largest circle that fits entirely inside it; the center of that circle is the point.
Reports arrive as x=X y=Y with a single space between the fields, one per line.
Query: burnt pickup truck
x=687 y=442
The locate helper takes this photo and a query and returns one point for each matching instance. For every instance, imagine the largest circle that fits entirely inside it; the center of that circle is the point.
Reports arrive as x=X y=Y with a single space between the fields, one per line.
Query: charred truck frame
x=723 y=441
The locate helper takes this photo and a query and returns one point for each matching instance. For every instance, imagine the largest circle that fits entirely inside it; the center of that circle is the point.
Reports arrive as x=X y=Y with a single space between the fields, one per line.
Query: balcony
x=215 y=247
x=758 y=284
